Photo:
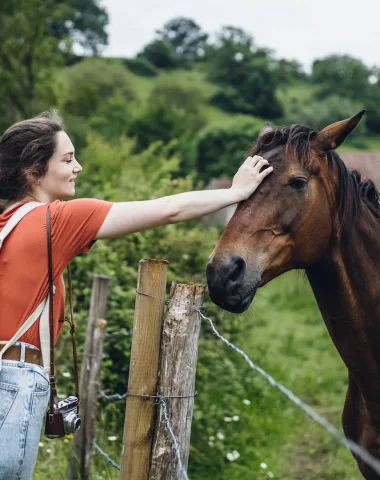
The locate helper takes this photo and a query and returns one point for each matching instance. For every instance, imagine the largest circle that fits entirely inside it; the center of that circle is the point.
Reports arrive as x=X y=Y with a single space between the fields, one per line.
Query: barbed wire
x=114 y=397
x=173 y=437
x=370 y=460
x=106 y=456
x=350 y=444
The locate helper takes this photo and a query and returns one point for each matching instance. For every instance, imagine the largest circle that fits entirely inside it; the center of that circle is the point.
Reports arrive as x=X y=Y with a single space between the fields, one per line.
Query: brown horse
x=312 y=213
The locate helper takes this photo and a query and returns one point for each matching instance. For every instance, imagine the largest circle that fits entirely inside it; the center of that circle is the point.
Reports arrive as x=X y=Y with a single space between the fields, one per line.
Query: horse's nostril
x=237 y=269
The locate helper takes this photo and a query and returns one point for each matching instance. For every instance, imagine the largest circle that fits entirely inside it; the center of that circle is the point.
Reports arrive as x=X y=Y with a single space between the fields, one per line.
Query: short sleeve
x=75 y=224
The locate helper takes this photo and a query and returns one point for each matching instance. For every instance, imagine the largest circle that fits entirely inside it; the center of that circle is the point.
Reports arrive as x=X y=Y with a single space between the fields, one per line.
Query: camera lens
x=72 y=422
x=77 y=423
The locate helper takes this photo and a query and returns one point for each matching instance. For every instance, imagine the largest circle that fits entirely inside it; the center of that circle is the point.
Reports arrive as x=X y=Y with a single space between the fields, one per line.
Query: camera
x=69 y=410
x=64 y=420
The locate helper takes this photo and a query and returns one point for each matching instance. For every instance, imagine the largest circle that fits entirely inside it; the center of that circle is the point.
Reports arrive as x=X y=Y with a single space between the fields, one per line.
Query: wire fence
x=360 y=452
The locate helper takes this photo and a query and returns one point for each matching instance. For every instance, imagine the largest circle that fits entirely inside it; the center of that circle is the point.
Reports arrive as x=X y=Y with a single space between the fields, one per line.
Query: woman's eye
x=297 y=183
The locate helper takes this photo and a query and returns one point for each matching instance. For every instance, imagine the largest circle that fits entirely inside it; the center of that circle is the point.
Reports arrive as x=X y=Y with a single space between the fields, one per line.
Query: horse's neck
x=346 y=285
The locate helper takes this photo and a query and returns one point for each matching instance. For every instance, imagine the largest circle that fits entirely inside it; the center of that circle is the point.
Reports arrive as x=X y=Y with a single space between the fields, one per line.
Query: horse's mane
x=352 y=189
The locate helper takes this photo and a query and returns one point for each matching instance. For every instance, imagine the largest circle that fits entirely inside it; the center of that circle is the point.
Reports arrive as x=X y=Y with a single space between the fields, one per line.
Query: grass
x=287 y=326
x=285 y=335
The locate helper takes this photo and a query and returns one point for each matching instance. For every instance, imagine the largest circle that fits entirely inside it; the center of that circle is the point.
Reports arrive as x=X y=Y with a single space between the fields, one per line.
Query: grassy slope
x=196 y=79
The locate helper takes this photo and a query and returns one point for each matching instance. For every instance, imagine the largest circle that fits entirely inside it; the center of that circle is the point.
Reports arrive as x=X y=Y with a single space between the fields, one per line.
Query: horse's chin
x=235 y=304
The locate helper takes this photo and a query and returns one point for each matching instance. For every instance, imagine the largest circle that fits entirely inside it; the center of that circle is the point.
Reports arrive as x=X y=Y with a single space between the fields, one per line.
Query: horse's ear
x=266 y=128
x=335 y=134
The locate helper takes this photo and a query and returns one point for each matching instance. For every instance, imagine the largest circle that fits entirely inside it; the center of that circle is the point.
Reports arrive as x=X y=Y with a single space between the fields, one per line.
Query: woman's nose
x=78 y=168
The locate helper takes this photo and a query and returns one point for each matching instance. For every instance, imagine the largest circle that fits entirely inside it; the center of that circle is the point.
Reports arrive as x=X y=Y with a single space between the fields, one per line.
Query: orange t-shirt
x=23 y=260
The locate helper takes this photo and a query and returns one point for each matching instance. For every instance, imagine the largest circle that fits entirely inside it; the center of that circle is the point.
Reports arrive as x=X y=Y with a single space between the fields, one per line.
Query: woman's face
x=59 y=181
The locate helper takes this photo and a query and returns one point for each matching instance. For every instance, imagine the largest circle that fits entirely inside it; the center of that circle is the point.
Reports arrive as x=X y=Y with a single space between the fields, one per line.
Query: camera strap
x=53 y=391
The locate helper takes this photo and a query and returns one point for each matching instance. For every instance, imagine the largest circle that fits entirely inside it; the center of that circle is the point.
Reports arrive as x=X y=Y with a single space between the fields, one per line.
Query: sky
x=295 y=29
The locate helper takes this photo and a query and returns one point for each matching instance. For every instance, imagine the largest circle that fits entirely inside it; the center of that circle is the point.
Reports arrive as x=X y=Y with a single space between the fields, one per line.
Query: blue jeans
x=24 y=396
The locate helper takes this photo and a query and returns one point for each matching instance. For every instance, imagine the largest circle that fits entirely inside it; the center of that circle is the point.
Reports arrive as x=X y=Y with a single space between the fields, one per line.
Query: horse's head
x=288 y=222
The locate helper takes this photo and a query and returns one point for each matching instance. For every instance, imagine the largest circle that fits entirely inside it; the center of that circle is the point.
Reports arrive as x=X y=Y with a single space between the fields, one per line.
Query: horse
x=312 y=213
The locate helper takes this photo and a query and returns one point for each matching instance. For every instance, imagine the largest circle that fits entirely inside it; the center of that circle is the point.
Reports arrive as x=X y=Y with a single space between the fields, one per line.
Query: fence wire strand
x=355 y=448
x=106 y=456
x=173 y=437
x=350 y=444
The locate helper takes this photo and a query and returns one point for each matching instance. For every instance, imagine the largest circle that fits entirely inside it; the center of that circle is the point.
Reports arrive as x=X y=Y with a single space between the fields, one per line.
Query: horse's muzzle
x=228 y=285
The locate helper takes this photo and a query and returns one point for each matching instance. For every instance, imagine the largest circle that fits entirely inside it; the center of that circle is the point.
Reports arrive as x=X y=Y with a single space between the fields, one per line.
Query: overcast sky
x=295 y=29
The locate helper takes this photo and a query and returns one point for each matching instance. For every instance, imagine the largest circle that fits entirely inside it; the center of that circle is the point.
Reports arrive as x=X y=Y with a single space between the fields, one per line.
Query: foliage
x=160 y=54
x=246 y=75
x=318 y=114
x=289 y=71
x=220 y=148
x=92 y=82
x=170 y=112
x=141 y=66
x=85 y=23
x=185 y=37
x=29 y=54
x=342 y=75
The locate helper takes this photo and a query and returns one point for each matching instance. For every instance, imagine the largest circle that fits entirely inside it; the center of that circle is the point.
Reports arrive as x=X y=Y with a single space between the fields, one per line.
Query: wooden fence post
x=82 y=450
x=143 y=371
x=179 y=350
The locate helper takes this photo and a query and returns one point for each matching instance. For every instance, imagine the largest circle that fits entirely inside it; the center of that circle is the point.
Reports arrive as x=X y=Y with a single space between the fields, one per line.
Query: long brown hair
x=26 y=148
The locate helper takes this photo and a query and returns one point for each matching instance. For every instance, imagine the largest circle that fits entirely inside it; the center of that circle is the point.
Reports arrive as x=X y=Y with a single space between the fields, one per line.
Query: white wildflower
x=212 y=438
x=263 y=465
x=231 y=456
x=227 y=419
x=66 y=374
x=40 y=444
x=48 y=450
x=270 y=475
x=247 y=402
x=211 y=443
x=112 y=438
x=220 y=435
x=235 y=418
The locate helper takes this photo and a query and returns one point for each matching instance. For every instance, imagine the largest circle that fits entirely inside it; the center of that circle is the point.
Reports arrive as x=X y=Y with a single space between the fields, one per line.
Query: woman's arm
x=130 y=217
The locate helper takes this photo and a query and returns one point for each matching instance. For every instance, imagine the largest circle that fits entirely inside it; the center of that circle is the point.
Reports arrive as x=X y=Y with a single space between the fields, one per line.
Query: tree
x=28 y=55
x=170 y=112
x=93 y=82
x=220 y=148
x=185 y=37
x=245 y=73
x=84 y=23
x=341 y=75
x=289 y=71
x=160 y=54
x=228 y=58
x=317 y=114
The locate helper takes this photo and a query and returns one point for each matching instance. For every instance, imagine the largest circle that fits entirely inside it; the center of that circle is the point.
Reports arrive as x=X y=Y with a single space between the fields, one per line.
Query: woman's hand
x=250 y=175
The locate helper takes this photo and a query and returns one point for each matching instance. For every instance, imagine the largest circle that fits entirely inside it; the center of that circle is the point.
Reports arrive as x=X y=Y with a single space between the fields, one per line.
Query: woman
x=37 y=163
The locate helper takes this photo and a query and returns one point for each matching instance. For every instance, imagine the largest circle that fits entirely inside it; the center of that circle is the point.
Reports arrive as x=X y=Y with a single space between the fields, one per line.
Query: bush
x=93 y=81
x=160 y=53
x=141 y=66
x=170 y=112
x=220 y=148
x=320 y=113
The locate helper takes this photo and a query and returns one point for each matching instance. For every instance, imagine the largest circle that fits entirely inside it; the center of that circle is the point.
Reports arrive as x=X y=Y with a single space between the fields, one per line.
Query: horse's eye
x=297 y=183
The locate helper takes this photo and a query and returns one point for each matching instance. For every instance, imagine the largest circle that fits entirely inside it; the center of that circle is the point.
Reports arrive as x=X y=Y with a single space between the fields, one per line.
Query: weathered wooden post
x=179 y=350
x=143 y=371
x=82 y=450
